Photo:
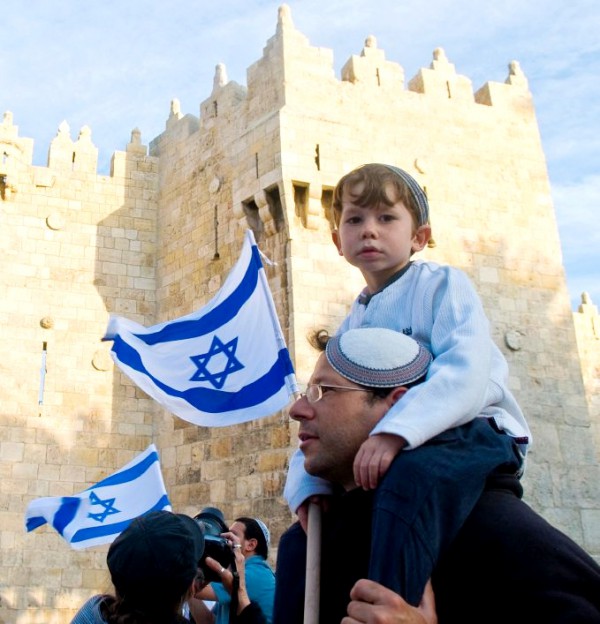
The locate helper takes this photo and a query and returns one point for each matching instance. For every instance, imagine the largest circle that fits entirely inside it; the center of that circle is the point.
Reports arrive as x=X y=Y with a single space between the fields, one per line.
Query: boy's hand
x=374 y=458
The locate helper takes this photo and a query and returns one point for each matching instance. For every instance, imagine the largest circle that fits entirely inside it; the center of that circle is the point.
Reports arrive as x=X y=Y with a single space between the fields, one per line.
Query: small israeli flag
x=100 y=513
x=225 y=364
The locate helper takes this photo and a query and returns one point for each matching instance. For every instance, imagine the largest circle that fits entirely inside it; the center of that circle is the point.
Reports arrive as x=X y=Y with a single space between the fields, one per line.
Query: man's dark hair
x=253 y=531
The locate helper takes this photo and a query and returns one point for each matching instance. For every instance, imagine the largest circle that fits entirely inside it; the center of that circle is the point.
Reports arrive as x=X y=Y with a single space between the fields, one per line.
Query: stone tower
x=155 y=239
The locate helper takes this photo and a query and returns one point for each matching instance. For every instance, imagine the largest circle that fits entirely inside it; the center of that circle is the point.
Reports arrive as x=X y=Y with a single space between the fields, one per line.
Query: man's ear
x=421 y=237
x=396 y=394
x=335 y=237
x=251 y=544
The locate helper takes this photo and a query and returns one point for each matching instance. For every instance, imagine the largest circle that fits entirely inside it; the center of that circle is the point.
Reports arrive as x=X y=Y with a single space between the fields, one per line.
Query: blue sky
x=116 y=65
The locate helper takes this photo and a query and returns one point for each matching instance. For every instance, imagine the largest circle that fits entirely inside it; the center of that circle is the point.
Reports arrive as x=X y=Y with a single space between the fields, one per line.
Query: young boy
x=382 y=214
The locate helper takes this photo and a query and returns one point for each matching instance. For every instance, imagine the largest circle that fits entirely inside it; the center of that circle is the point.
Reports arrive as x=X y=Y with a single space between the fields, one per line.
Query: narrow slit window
x=301 y=201
x=216 y=226
x=43 y=371
x=327 y=205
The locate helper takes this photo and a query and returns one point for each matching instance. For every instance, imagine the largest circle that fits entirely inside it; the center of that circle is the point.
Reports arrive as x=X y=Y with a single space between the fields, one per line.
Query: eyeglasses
x=314 y=392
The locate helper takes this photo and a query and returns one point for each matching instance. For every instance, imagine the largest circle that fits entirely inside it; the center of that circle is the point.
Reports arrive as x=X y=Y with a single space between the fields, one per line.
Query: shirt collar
x=364 y=298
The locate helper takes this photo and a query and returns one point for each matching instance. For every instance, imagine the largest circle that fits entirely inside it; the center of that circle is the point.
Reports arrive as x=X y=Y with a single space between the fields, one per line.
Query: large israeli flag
x=100 y=513
x=227 y=363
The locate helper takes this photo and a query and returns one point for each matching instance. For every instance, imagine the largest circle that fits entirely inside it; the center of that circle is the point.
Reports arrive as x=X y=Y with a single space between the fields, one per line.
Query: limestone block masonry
x=155 y=239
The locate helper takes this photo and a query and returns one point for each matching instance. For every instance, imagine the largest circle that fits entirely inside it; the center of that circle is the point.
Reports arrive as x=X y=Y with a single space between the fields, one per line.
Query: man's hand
x=373 y=603
x=374 y=458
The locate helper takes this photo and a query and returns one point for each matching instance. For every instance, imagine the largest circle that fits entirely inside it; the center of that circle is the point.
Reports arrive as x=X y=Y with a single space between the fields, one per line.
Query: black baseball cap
x=156 y=555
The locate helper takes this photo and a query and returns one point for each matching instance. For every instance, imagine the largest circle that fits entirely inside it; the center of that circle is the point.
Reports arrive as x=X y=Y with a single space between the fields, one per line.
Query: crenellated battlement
x=288 y=65
x=67 y=159
x=155 y=239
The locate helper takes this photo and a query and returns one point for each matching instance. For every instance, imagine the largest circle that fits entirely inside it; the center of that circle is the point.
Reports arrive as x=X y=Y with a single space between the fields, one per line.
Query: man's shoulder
x=258 y=563
x=293 y=532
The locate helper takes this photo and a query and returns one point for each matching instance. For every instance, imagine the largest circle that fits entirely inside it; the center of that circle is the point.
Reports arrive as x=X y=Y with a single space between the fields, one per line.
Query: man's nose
x=301 y=409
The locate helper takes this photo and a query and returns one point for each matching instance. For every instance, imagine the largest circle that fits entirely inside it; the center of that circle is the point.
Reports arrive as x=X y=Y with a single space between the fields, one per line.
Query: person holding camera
x=249 y=539
x=234 y=582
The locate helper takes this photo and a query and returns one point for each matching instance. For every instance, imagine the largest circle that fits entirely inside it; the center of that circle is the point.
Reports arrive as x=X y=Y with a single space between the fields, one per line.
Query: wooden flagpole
x=312 y=588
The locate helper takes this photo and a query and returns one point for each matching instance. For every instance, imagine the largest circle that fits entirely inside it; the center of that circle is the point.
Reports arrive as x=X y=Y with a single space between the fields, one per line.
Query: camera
x=212 y=523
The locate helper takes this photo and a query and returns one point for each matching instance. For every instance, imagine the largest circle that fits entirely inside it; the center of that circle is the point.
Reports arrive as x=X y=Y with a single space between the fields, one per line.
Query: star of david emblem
x=107 y=503
x=218 y=351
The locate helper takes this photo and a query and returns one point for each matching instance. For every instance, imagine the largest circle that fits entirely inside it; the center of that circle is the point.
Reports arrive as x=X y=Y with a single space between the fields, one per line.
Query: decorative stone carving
x=175 y=108
x=514 y=339
x=516 y=77
x=220 y=79
x=101 y=360
x=371 y=41
x=55 y=221
x=421 y=165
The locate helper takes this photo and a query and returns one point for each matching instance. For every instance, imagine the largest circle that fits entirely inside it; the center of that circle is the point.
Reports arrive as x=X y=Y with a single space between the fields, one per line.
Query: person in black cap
x=153 y=565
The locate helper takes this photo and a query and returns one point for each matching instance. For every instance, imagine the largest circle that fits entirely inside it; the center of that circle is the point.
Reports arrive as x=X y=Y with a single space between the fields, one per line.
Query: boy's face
x=379 y=240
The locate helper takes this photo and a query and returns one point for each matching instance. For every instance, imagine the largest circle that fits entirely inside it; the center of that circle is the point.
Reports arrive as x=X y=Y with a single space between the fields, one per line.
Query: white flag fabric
x=100 y=513
x=224 y=364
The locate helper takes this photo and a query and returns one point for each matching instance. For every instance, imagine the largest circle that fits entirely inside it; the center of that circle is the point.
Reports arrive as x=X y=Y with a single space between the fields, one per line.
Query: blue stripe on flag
x=34 y=522
x=130 y=474
x=213 y=320
x=114 y=529
x=65 y=513
x=215 y=401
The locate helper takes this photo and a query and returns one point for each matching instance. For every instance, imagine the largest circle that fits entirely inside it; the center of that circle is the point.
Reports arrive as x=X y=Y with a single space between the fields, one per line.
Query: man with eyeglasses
x=505 y=563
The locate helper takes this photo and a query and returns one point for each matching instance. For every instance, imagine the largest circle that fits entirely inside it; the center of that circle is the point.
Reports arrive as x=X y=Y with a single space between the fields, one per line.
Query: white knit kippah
x=377 y=357
x=265 y=530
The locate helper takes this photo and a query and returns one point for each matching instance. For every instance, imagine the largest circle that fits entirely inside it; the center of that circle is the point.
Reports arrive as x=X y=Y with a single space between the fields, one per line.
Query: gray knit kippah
x=416 y=191
x=376 y=357
x=265 y=531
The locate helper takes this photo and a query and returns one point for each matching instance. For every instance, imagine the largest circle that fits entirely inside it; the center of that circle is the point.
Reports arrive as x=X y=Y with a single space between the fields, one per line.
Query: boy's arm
x=458 y=383
x=299 y=485
x=374 y=457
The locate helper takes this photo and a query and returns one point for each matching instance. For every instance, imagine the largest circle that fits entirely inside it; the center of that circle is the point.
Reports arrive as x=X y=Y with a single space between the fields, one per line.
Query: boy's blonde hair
x=376 y=180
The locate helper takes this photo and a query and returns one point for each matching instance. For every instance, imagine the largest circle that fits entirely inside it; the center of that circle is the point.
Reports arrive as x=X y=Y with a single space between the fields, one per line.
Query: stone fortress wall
x=155 y=239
